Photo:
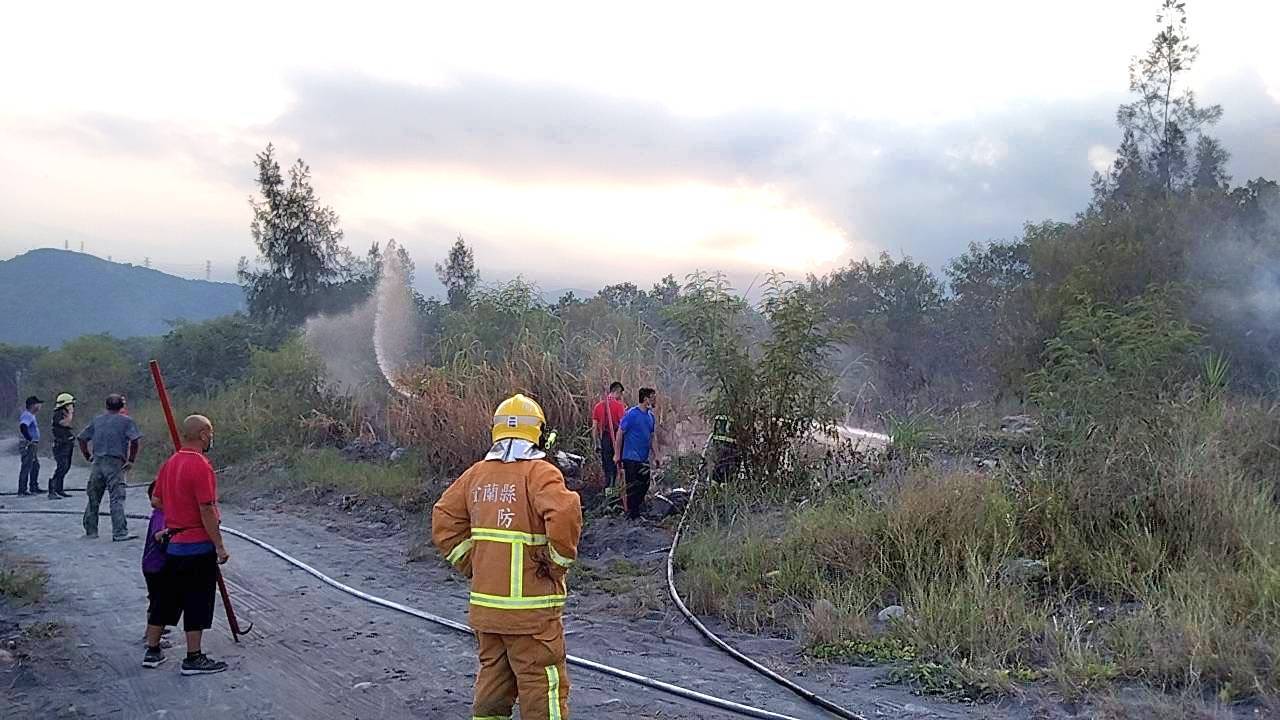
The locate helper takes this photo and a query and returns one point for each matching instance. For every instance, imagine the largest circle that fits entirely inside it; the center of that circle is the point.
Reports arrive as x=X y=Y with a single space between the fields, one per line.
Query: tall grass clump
x=508 y=341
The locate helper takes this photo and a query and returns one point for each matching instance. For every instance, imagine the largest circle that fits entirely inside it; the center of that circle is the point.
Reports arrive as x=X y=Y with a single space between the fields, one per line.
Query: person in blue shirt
x=29 y=446
x=634 y=452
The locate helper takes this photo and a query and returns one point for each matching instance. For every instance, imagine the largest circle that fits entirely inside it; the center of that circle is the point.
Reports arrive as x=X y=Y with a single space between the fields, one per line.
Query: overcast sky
x=589 y=143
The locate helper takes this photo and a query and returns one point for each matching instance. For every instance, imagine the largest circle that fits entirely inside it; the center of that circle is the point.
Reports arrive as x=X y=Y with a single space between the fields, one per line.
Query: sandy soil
x=316 y=653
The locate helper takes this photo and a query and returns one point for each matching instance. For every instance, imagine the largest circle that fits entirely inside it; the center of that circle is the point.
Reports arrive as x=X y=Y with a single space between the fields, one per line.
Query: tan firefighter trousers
x=528 y=667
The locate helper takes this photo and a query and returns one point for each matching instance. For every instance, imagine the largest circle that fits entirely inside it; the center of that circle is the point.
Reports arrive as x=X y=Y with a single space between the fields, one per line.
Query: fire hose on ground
x=669 y=688
x=71 y=490
x=804 y=693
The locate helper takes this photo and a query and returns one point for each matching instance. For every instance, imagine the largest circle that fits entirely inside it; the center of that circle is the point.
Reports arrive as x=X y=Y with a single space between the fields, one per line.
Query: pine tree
x=299 y=244
x=1130 y=177
x=405 y=266
x=1210 y=171
x=458 y=274
x=1169 y=164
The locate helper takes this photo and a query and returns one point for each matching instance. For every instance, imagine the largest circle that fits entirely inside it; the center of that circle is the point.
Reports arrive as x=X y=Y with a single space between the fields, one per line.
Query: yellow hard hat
x=518 y=417
x=63 y=400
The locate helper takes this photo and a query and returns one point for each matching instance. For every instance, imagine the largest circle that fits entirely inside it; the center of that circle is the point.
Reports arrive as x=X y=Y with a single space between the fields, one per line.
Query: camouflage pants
x=107 y=477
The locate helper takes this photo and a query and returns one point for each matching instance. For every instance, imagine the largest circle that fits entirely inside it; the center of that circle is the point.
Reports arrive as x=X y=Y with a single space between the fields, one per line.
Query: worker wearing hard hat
x=64 y=443
x=510 y=524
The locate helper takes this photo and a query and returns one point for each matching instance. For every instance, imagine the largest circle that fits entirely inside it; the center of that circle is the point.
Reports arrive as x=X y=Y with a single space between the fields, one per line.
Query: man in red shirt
x=604 y=429
x=187 y=490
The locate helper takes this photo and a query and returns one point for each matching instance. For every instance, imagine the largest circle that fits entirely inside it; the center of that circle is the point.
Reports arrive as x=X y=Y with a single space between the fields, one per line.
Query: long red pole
x=163 y=395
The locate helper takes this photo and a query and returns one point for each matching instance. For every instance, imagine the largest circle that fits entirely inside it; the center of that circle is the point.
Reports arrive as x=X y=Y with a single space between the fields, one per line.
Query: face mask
x=209 y=445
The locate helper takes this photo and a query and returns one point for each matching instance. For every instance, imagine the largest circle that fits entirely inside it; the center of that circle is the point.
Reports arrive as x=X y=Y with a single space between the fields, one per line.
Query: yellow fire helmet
x=518 y=417
x=64 y=400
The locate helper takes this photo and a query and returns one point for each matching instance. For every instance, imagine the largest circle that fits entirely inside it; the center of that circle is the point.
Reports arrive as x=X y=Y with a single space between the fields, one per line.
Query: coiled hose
x=676 y=690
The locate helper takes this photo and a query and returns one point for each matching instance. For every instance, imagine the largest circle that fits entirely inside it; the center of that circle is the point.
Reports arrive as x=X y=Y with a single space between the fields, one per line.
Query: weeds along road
x=317 y=653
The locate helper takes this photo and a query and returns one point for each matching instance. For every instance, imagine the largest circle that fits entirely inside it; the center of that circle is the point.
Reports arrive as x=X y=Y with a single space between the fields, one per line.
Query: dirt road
x=317 y=653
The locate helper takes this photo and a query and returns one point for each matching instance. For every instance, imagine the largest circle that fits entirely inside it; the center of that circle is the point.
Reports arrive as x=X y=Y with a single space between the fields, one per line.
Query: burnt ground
x=318 y=653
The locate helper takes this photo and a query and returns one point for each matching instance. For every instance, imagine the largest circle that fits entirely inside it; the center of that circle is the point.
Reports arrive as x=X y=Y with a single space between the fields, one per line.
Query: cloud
x=924 y=191
x=220 y=157
x=522 y=131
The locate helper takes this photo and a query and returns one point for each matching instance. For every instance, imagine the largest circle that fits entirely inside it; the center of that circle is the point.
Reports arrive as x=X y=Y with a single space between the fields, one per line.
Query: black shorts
x=184 y=590
x=157 y=585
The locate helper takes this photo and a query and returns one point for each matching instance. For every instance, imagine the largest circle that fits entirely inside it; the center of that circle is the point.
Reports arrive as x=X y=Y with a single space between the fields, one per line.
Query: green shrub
x=205 y=357
x=15 y=362
x=89 y=367
x=1110 y=367
x=774 y=383
x=909 y=437
x=283 y=403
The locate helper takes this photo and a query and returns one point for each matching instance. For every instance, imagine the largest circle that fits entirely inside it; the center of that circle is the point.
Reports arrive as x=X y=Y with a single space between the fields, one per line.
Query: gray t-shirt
x=110 y=435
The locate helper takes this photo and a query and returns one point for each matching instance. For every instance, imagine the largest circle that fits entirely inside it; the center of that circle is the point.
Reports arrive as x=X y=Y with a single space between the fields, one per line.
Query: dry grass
x=450 y=416
x=635 y=590
x=326 y=469
x=22 y=581
x=1172 y=580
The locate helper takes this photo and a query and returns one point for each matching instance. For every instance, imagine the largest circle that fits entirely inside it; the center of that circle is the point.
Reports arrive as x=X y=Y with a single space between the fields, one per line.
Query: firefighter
x=511 y=526
x=64 y=443
x=724 y=449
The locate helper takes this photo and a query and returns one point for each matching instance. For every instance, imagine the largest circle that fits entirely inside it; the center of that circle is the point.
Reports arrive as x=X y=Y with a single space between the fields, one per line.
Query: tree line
x=1166 y=218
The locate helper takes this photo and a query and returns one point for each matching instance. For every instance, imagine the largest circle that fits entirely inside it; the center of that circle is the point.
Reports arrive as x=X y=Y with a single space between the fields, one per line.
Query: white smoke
x=377 y=340
x=345 y=344
x=1242 y=271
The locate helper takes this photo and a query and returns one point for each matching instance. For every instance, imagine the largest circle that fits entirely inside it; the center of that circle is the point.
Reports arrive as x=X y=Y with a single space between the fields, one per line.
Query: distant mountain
x=50 y=296
x=551 y=297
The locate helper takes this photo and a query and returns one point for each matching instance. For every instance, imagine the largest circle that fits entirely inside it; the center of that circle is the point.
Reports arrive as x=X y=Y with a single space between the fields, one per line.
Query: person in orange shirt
x=512 y=527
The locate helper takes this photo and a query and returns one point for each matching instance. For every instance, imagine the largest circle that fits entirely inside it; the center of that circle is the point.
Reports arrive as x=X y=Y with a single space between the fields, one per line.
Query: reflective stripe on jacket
x=722 y=430
x=513 y=528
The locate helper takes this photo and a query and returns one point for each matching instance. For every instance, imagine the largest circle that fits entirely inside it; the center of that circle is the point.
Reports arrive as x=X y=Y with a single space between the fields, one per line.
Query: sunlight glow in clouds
x=133 y=125
x=690 y=222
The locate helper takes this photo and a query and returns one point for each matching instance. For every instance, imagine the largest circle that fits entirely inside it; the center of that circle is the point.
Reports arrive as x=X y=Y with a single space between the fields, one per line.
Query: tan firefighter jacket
x=512 y=526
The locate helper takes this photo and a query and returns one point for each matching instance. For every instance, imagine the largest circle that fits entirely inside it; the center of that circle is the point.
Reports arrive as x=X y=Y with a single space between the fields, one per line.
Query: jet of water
x=393 y=320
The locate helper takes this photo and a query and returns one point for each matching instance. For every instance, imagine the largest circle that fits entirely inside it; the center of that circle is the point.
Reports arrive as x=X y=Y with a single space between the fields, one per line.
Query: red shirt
x=184 y=483
x=613 y=411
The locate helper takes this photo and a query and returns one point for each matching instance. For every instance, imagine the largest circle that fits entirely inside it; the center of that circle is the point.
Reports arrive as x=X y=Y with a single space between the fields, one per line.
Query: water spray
x=392 y=319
